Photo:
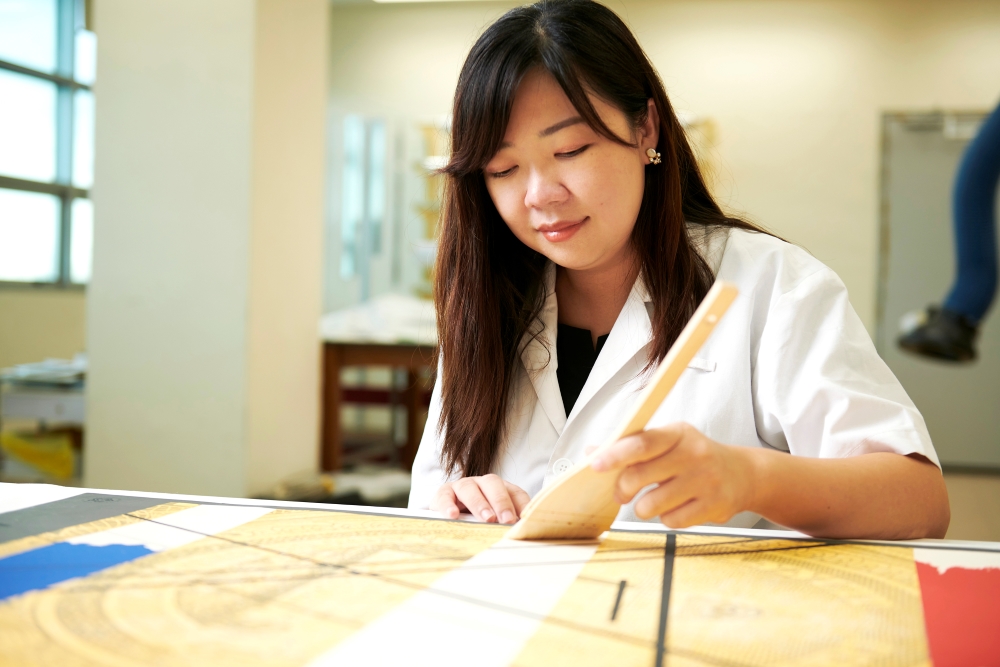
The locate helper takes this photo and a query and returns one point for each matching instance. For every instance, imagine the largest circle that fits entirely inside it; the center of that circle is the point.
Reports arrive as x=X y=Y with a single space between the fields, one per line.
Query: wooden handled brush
x=581 y=504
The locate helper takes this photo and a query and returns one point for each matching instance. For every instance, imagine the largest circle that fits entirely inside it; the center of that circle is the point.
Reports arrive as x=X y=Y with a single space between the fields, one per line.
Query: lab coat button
x=561 y=466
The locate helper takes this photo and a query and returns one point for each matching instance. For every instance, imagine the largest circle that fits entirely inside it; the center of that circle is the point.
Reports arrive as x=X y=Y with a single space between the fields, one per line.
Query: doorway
x=961 y=403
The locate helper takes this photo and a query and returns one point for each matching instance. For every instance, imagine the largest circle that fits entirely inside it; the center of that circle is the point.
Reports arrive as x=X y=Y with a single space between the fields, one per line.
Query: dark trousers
x=974 y=213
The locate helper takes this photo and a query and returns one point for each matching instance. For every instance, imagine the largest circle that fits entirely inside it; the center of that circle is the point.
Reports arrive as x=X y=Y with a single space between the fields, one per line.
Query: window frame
x=70 y=16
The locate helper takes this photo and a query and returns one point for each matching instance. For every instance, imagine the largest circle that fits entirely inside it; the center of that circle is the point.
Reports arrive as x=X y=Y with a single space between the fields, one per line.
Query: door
x=961 y=403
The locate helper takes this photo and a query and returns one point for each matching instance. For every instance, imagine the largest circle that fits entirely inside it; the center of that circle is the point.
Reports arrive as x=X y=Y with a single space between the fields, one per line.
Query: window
x=47 y=65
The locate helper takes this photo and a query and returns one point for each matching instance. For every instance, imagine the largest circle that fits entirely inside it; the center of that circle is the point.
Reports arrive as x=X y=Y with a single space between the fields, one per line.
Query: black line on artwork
x=669 y=553
x=618 y=598
x=580 y=627
x=668 y=575
x=553 y=620
x=736 y=552
x=348 y=569
x=825 y=541
x=370 y=571
x=92 y=497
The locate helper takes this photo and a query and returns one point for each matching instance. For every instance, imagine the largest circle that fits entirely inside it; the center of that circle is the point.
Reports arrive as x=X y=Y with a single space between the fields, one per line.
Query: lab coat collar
x=631 y=333
x=633 y=330
x=538 y=353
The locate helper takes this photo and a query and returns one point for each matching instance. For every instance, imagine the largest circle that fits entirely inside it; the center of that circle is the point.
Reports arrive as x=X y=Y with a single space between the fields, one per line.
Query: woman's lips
x=562 y=230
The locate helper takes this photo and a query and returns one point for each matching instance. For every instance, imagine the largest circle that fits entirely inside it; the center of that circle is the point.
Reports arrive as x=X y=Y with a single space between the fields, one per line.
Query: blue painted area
x=40 y=568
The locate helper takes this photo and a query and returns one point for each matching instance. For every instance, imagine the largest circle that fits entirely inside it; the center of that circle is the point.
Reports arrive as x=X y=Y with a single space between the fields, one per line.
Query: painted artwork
x=145 y=581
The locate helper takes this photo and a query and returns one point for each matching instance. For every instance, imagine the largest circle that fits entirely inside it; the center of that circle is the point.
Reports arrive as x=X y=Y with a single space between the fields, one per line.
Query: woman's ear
x=649 y=131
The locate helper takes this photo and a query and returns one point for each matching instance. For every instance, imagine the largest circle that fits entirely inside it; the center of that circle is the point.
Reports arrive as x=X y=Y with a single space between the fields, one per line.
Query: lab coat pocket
x=700 y=364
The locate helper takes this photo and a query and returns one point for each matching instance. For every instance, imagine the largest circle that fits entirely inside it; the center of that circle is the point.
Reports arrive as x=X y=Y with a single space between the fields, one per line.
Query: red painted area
x=962 y=613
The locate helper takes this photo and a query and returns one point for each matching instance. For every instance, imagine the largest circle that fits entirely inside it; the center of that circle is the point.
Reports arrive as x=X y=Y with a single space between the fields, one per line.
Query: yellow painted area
x=287 y=587
x=738 y=601
x=580 y=631
x=779 y=602
x=275 y=591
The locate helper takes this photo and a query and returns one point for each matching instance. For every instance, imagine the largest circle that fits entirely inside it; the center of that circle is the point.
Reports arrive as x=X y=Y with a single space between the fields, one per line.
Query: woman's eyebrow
x=560 y=125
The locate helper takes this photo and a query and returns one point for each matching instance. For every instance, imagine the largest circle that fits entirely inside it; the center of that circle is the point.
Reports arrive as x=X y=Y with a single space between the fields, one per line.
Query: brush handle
x=581 y=504
x=698 y=329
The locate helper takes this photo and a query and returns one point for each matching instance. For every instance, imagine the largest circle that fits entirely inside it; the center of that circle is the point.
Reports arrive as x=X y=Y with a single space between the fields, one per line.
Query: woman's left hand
x=698 y=480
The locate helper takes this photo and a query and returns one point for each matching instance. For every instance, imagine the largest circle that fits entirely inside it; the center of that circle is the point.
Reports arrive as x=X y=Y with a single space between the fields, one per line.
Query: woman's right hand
x=488 y=498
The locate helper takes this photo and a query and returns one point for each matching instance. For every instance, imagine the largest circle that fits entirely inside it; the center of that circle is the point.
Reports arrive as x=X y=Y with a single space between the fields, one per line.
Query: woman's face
x=564 y=190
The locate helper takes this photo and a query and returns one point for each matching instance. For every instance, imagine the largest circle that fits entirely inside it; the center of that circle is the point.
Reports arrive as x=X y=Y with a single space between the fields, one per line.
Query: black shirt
x=576 y=355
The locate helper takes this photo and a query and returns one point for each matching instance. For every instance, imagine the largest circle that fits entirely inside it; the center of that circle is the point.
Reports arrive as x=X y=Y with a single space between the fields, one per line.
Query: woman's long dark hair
x=488 y=284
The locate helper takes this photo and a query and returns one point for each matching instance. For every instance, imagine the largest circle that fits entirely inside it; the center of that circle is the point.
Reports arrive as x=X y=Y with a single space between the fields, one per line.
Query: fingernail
x=599 y=465
x=487 y=515
x=507 y=517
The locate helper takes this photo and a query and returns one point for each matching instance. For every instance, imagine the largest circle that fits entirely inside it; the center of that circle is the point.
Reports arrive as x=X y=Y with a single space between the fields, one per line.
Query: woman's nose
x=544 y=189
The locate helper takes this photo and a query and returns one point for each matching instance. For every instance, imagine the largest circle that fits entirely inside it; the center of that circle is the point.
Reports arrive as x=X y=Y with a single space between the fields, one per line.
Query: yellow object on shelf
x=49 y=453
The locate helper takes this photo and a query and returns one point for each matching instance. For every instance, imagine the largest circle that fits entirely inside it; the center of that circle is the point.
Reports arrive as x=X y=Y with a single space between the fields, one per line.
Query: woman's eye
x=502 y=174
x=573 y=153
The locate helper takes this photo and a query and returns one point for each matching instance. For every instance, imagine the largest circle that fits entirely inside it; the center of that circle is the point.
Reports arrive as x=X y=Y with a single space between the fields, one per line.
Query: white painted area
x=208 y=209
x=487 y=608
x=175 y=530
x=945 y=559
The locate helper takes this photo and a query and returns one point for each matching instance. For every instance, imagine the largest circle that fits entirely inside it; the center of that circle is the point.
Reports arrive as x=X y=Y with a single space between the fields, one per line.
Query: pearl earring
x=654 y=157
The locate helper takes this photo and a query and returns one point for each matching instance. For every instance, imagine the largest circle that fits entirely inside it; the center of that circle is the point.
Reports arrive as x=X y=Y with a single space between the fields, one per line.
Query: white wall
x=398 y=63
x=204 y=301
x=289 y=136
x=796 y=88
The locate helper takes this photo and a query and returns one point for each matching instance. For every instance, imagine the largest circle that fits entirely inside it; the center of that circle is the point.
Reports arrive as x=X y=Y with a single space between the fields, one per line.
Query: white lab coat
x=790 y=367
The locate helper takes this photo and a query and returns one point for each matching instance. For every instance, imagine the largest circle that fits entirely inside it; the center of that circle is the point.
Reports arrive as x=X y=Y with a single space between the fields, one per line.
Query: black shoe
x=943 y=335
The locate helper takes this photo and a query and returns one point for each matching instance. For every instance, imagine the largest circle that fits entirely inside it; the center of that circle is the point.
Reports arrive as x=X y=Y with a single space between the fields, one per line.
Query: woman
x=577 y=239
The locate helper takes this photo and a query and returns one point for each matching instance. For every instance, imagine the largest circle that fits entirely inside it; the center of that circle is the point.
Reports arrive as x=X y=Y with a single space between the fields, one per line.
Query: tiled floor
x=975 y=506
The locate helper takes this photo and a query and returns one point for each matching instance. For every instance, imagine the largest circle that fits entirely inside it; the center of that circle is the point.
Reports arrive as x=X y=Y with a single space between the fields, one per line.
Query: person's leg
x=974 y=210
x=949 y=332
